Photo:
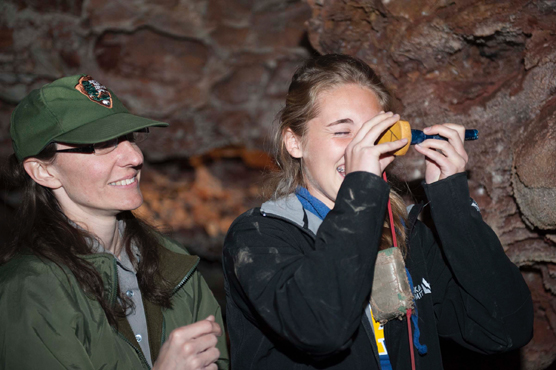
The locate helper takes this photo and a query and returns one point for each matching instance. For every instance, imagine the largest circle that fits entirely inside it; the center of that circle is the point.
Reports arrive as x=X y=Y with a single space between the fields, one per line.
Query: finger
x=216 y=329
x=447 y=129
x=210 y=318
x=454 y=133
x=376 y=131
x=385 y=162
x=373 y=154
x=202 y=360
x=192 y=331
x=459 y=128
x=391 y=146
x=447 y=149
x=435 y=157
x=205 y=342
x=208 y=357
x=370 y=124
x=447 y=167
x=381 y=149
x=384 y=148
x=193 y=350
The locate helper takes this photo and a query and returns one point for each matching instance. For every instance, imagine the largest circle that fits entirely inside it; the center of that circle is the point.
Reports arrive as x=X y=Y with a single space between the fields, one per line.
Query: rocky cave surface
x=218 y=72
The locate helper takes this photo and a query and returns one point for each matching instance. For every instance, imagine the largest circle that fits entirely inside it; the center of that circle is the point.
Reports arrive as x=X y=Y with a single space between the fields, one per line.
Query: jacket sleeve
x=311 y=298
x=480 y=298
x=209 y=306
x=39 y=325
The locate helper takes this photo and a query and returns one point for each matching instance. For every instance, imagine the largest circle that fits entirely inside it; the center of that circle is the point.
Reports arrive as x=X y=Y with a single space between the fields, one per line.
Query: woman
x=85 y=284
x=299 y=269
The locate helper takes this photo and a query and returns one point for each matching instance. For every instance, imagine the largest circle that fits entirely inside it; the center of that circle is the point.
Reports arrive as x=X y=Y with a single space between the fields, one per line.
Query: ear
x=293 y=144
x=42 y=173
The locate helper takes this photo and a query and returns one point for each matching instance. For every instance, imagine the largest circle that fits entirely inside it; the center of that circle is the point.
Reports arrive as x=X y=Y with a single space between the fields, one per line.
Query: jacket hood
x=291 y=209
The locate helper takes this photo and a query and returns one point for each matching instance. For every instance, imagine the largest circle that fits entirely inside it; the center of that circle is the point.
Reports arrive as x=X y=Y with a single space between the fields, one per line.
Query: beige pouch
x=391 y=296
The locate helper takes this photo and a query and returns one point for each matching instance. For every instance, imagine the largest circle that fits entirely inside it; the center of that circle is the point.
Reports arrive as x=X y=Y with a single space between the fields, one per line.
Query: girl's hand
x=443 y=158
x=363 y=155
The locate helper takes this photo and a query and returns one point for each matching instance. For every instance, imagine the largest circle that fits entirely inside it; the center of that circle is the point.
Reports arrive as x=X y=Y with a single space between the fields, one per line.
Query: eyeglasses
x=108 y=146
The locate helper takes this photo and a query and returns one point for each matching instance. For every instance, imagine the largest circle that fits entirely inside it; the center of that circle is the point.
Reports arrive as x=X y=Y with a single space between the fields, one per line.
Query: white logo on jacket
x=422 y=289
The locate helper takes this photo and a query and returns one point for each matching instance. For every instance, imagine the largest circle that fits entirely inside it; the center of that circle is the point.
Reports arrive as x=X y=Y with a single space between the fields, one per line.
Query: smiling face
x=342 y=112
x=98 y=185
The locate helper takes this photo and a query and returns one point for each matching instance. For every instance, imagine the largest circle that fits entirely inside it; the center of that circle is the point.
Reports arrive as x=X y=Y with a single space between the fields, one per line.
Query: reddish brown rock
x=51 y=6
x=199 y=206
x=172 y=61
x=245 y=83
x=180 y=18
x=6 y=39
x=231 y=37
x=540 y=353
x=281 y=19
x=534 y=181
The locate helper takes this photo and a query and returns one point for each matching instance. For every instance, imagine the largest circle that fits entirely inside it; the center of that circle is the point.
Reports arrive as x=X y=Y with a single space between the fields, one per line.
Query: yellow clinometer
x=399 y=130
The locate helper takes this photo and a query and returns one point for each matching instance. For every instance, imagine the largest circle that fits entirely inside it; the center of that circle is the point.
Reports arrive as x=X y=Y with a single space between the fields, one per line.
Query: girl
x=299 y=269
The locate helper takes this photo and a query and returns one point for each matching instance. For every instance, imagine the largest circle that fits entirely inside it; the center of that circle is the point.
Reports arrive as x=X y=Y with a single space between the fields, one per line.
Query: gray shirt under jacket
x=127 y=280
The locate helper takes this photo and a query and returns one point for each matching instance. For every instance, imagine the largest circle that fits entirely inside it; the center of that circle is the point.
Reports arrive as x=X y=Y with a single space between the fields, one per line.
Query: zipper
x=163 y=336
x=114 y=283
x=176 y=288
x=139 y=353
x=186 y=277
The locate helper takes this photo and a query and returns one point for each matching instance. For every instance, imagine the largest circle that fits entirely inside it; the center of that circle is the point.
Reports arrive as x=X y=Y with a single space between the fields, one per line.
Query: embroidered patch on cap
x=93 y=90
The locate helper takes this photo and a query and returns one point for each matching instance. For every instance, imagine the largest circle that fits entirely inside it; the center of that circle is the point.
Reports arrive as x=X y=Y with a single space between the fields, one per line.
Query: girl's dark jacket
x=296 y=292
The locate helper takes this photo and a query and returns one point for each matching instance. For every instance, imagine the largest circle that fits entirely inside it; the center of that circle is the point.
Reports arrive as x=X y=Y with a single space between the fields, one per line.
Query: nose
x=129 y=154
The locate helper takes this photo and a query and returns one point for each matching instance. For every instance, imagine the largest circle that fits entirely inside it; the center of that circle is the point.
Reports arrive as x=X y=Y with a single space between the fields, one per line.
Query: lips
x=342 y=170
x=124 y=181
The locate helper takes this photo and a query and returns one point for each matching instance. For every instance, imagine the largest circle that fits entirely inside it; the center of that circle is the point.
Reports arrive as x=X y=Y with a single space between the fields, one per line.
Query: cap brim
x=107 y=128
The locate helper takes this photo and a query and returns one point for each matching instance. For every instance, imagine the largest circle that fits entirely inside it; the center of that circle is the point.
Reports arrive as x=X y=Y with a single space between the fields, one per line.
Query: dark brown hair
x=44 y=230
x=315 y=76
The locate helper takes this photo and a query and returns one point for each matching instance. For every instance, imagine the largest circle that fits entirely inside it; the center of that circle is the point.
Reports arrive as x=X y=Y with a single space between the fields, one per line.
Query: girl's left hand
x=443 y=158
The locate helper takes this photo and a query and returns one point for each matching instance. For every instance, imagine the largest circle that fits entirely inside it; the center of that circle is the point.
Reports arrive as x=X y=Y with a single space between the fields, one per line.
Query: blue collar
x=310 y=203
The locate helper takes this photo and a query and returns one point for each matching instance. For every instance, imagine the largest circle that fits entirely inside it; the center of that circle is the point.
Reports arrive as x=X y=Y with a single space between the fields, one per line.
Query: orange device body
x=399 y=130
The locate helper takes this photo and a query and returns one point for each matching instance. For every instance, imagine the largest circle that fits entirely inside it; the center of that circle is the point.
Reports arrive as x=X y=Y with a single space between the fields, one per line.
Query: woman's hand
x=363 y=155
x=443 y=158
x=191 y=347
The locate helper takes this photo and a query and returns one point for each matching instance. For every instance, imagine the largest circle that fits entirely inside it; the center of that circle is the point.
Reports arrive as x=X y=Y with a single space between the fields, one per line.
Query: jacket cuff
x=362 y=185
x=451 y=192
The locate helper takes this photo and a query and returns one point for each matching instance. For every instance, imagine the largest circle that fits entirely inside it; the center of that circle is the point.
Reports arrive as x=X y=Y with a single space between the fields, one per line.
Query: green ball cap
x=72 y=110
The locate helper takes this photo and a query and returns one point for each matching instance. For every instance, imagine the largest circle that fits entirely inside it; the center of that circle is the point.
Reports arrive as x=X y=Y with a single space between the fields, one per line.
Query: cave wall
x=218 y=71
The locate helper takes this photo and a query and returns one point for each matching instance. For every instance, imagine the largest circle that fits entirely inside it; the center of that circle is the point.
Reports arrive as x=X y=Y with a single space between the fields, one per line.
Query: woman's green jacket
x=48 y=322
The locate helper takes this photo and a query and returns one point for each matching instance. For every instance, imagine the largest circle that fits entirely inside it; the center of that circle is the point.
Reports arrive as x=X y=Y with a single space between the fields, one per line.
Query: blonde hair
x=311 y=79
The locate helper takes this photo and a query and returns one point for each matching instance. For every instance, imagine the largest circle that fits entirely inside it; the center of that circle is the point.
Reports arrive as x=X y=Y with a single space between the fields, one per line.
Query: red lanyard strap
x=395 y=244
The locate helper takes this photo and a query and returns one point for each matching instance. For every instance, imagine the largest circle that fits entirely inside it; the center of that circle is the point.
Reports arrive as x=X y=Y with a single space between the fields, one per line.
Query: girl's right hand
x=363 y=155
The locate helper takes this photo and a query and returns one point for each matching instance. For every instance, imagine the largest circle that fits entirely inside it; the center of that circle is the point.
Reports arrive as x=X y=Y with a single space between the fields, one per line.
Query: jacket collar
x=175 y=267
x=291 y=209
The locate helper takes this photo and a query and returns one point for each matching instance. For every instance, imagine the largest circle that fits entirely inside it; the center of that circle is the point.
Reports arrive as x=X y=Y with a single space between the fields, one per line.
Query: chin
x=132 y=205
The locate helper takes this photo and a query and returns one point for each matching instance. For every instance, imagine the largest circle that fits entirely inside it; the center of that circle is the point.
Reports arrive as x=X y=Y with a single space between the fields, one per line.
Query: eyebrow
x=340 y=121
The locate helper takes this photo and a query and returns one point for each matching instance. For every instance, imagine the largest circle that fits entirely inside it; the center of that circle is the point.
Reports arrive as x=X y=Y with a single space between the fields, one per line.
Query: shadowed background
x=218 y=72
